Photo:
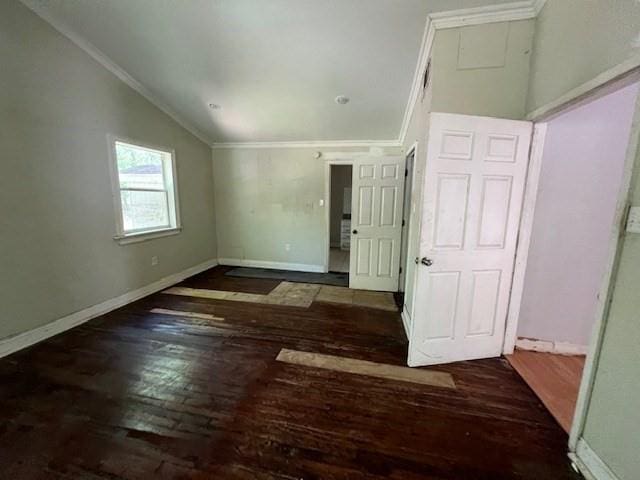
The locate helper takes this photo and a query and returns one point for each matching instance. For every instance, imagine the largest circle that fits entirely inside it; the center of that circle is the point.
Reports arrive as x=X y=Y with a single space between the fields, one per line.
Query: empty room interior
x=290 y=239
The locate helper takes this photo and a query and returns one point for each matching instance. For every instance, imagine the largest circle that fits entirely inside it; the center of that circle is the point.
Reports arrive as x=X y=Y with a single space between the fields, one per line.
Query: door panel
x=450 y=212
x=473 y=187
x=443 y=291
x=494 y=211
x=388 y=206
x=484 y=295
x=365 y=206
x=363 y=256
x=385 y=257
x=376 y=217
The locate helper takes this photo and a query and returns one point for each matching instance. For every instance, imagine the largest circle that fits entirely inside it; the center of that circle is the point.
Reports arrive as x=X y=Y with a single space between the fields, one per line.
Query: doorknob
x=355 y=232
x=426 y=261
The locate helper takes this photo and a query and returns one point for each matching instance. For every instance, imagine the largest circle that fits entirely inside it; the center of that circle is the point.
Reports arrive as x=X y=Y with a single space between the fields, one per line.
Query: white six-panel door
x=474 y=183
x=376 y=223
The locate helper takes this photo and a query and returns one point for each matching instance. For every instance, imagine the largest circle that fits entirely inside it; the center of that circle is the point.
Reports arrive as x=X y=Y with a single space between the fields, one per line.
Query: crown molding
x=425 y=53
x=509 y=12
x=311 y=144
x=114 y=68
x=490 y=14
x=538 y=5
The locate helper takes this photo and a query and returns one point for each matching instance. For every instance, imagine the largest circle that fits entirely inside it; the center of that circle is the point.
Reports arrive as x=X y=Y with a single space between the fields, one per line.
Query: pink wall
x=581 y=173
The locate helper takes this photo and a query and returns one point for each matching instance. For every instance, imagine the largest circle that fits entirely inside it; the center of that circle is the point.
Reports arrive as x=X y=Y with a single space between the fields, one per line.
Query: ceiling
x=274 y=66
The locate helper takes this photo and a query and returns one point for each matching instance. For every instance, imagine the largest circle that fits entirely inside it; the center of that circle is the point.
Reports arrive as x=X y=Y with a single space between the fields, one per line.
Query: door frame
x=327 y=205
x=402 y=280
x=610 y=81
x=525 y=231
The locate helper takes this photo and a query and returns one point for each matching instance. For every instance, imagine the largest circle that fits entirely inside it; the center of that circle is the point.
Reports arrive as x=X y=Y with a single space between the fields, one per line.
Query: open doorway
x=567 y=242
x=340 y=218
x=406 y=216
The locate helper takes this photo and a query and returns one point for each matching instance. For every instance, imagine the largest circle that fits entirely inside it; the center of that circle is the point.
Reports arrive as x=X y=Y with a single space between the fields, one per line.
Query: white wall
x=582 y=168
x=57 y=219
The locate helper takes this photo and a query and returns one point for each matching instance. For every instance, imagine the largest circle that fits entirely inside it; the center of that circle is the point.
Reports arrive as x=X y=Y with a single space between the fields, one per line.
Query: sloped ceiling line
x=451 y=19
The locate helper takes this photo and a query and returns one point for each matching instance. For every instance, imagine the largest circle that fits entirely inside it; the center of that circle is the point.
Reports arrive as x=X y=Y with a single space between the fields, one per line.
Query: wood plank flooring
x=554 y=378
x=136 y=394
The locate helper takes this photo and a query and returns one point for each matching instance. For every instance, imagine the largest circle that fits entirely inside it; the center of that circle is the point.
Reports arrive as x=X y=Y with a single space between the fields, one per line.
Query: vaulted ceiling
x=273 y=66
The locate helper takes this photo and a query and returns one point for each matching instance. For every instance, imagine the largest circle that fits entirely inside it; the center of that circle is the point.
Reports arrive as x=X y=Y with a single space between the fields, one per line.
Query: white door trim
x=524 y=236
x=619 y=76
x=627 y=71
x=403 y=276
x=590 y=464
x=606 y=288
x=327 y=206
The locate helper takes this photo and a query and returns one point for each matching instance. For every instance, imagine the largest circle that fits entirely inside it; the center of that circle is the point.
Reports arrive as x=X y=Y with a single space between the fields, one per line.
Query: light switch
x=322 y=202
x=633 y=222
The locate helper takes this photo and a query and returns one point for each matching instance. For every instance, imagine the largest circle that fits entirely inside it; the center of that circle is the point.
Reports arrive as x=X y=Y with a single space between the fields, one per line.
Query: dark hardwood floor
x=137 y=395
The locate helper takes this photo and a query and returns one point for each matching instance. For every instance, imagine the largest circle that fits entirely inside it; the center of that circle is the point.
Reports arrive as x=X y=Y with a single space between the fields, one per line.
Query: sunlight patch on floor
x=297 y=295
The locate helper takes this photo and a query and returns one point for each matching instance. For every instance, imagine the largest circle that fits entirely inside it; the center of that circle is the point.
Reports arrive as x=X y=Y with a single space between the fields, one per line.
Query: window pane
x=139 y=167
x=144 y=210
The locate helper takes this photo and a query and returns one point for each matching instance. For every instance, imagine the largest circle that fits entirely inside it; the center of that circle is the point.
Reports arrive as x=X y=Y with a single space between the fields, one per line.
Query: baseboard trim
x=547 y=346
x=23 y=340
x=590 y=464
x=405 y=321
x=297 y=267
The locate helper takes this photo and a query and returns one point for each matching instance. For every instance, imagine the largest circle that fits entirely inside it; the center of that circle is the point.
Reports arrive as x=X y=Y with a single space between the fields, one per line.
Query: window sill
x=144 y=236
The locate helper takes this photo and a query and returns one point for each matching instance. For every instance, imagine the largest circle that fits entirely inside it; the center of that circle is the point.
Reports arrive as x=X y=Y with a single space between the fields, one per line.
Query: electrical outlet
x=287 y=246
x=154 y=260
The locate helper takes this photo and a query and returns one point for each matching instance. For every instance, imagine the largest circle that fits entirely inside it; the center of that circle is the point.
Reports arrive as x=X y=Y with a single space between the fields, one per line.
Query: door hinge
x=400 y=269
x=403 y=222
x=406 y=172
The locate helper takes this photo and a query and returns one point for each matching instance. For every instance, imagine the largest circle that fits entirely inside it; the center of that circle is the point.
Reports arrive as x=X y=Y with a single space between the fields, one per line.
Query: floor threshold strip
x=363 y=367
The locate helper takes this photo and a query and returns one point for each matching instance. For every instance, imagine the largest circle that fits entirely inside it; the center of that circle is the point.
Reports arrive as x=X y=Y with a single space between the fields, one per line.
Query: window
x=144 y=190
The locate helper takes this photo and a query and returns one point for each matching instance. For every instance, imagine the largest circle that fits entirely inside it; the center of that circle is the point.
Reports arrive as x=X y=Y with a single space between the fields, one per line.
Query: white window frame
x=171 y=185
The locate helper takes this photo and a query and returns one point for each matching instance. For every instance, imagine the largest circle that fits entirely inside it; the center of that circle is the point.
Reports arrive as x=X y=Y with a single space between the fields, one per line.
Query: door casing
x=327 y=205
x=607 y=82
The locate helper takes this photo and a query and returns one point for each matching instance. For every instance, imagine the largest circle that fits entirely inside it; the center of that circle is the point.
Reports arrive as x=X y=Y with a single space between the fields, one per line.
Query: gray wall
x=582 y=167
x=57 y=219
x=612 y=426
x=483 y=69
x=340 y=179
x=495 y=86
x=267 y=198
x=578 y=39
x=575 y=41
